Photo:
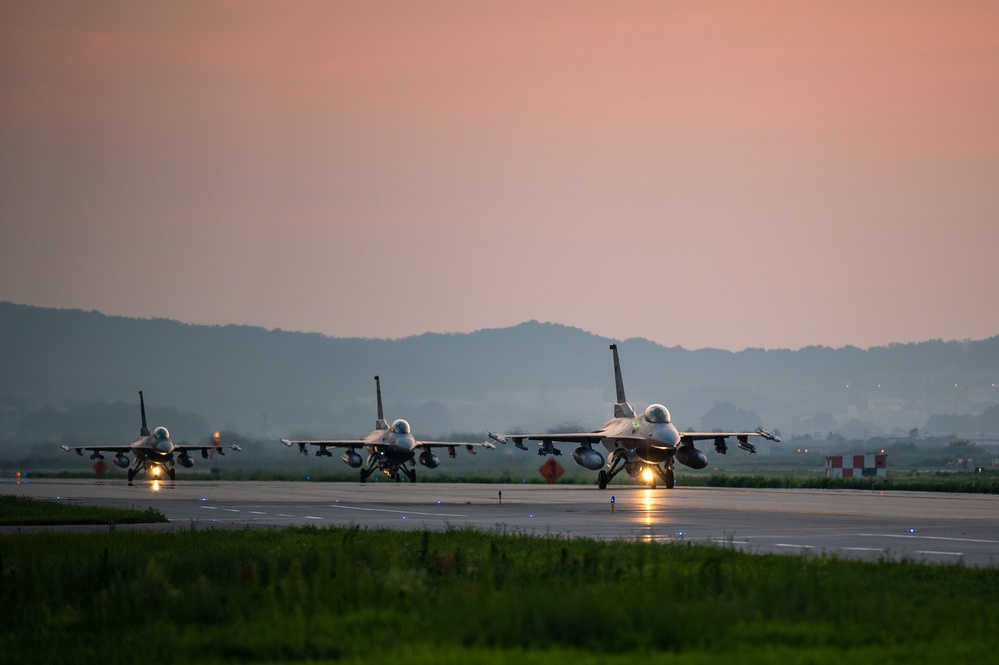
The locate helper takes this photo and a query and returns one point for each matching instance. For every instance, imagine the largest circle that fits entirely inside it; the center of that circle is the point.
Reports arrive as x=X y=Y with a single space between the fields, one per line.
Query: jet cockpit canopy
x=161 y=433
x=657 y=413
x=400 y=427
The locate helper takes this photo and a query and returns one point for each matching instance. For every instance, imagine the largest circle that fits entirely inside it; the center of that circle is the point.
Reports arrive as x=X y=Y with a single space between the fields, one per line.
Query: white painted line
x=802 y=547
x=208 y=507
x=310 y=517
x=932 y=552
x=400 y=512
x=256 y=512
x=230 y=510
x=863 y=549
x=284 y=515
x=917 y=536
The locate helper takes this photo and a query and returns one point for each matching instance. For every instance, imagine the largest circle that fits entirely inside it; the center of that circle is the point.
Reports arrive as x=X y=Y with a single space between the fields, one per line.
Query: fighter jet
x=646 y=447
x=390 y=449
x=154 y=452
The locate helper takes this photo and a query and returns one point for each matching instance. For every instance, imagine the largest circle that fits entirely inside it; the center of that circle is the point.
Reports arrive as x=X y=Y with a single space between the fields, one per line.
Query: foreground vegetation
x=985 y=482
x=22 y=511
x=462 y=596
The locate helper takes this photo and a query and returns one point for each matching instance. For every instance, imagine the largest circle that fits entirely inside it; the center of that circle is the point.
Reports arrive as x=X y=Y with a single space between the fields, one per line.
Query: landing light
x=647 y=475
x=156 y=470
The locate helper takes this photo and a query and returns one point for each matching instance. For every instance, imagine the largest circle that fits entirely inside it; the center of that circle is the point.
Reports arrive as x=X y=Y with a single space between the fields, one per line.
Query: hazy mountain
x=534 y=375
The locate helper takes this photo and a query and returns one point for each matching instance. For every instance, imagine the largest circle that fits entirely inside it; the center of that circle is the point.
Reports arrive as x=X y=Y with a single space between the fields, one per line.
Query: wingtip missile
x=517 y=440
x=768 y=435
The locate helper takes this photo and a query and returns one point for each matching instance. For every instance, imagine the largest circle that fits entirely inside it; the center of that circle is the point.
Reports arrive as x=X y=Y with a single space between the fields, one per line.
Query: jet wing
x=98 y=449
x=128 y=449
x=561 y=437
x=333 y=443
x=358 y=443
x=205 y=450
x=451 y=445
x=325 y=443
x=548 y=441
x=719 y=438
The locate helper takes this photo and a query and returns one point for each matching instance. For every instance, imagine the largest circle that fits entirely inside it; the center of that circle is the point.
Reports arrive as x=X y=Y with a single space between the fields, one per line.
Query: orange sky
x=728 y=174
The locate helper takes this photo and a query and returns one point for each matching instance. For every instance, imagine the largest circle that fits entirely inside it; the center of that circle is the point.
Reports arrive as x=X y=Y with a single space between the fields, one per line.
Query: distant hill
x=533 y=375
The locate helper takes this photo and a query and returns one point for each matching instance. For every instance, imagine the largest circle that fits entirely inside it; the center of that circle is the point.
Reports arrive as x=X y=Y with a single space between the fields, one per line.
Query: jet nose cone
x=666 y=436
x=405 y=441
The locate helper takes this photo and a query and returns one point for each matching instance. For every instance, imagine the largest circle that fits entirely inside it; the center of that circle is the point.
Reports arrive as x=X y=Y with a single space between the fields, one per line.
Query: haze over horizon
x=771 y=175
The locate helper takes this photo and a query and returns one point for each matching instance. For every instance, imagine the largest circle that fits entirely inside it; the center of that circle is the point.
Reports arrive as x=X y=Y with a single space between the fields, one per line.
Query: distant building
x=857 y=466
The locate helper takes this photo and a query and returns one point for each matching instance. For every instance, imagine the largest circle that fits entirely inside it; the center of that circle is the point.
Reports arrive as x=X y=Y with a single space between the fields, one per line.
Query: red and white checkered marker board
x=857 y=466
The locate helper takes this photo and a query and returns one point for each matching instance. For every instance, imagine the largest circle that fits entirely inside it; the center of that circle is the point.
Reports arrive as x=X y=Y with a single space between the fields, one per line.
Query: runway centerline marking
x=940 y=553
x=916 y=536
x=400 y=512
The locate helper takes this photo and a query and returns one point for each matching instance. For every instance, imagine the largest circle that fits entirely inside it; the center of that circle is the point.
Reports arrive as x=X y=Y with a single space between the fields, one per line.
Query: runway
x=932 y=527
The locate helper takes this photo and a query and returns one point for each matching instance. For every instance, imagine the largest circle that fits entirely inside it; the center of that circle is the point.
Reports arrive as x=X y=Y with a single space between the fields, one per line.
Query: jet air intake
x=588 y=457
x=691 y=456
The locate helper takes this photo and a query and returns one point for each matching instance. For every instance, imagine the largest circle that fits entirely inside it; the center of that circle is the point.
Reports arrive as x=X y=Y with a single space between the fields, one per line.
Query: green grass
x=986 y=482
x=22 y=511
x=461 y=596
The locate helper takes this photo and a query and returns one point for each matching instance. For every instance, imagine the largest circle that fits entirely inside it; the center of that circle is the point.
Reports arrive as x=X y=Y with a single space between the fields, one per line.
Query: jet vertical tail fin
x=621 y=407
x=142 y=409
x=380 y=423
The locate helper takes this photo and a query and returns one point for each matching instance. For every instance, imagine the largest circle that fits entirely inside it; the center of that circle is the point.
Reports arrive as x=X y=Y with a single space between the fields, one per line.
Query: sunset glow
x=716 y=174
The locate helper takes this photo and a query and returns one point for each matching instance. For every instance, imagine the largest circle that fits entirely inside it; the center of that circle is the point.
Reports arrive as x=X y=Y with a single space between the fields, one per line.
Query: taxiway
x=933 y=527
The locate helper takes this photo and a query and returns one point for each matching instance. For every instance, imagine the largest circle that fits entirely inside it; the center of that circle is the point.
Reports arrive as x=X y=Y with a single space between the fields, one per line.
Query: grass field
x=460 y=596
x=22 y=511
